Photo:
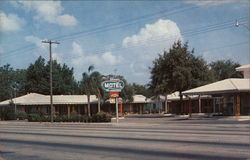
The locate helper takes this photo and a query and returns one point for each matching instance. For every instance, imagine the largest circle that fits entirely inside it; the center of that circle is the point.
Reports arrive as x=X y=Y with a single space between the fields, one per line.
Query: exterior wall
x=245 y=104
x=175 y=106
x=60 y=109
x=225 y=104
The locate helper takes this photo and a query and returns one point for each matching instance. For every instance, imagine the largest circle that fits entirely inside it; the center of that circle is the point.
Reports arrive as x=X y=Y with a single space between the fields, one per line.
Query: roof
x=39 y=99
x=232 y=85
x=139 y=99
x=244 y=67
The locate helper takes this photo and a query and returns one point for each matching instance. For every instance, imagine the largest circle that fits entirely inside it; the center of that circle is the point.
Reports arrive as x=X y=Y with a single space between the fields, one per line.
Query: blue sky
x=121 y=37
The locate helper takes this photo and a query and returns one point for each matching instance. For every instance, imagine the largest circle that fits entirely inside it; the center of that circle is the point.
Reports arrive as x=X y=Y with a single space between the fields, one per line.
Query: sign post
x=114 y=86
x=116 y=108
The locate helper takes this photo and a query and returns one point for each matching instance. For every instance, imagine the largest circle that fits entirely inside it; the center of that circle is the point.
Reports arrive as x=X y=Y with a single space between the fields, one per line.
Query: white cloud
x=205 y=3
x=37 y=41
x=49 y=11
x=80 y=58
x=10 y=22
x=66 y=20
x=57 y=57
x=43 y=48
x=138 y=70
x=110 y=59
x=77 y=49
x=143 y=47
x=153 y=33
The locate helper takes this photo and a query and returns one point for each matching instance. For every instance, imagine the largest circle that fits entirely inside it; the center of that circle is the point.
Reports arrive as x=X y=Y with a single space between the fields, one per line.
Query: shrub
x=21 y=115
x=45 y=118
x=64 y=118
x=34 y=117
x=58 y=118
x=84 y=118
x=7 y=113
x=101 y=117
x=75 y=117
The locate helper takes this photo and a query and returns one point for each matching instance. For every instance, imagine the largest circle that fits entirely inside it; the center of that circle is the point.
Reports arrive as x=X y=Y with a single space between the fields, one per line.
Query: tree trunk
x=88 y=96
x=99 y=104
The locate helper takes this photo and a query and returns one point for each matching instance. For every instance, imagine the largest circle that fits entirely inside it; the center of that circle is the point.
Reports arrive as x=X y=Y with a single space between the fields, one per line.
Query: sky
x=121 y=37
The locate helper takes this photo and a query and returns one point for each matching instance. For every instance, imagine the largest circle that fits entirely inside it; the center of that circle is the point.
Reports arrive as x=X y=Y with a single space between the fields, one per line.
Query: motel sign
x=113 y=85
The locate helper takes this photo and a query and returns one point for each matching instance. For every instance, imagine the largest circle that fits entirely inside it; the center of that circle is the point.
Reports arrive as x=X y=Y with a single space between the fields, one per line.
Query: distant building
x=245 y=69
x=66 y=104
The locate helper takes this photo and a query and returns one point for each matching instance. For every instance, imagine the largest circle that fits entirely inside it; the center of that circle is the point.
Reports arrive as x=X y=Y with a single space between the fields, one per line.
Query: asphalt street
x=132 y=138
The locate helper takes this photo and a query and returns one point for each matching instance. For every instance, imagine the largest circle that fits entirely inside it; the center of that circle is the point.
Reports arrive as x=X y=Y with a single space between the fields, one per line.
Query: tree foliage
x=178 y=70
x=12 y=82
x=142 y=89
x=38 y=78
x=223 y=69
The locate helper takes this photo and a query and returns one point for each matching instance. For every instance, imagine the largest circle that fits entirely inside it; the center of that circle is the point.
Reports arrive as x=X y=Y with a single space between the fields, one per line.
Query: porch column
x=214 y=100
x=237 y=105
x=199 y=99
x=130 y=108
x=68 y=111
x=189 y=107
x=150 y=108
x=140 y=108
x=166 y=103
x=79 y=111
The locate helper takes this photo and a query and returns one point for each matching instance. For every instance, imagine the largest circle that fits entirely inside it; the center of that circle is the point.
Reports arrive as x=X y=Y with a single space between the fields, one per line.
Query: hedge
x=74 y=117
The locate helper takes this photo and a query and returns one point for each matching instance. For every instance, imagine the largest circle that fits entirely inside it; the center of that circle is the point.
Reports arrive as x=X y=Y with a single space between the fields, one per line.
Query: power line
x=120 y=25
x=188 y=33
x=105 y=28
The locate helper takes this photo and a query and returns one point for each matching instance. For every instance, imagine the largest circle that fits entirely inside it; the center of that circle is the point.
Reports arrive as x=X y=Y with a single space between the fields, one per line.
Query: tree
x=127 y=92
x=178 y=70
x=223 y=69
x=12 y=82
x=142 y=89
x=6 y=79
x=96 y=80
x=87 y=85
x=38 y=78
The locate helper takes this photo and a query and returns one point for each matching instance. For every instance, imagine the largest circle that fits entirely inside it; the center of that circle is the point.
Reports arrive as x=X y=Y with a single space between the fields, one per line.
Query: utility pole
x=51 y=89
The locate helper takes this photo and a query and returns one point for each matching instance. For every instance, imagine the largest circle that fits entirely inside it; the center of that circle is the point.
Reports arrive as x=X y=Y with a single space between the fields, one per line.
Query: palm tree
x=86 y=85
x=96 y=79
x=91 y=84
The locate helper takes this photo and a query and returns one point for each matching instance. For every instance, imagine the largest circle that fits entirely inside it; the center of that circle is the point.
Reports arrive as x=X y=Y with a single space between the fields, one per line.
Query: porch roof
x=231 y=85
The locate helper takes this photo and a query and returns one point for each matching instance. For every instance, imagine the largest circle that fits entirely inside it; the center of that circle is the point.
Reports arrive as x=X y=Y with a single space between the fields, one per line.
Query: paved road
x=132 y=138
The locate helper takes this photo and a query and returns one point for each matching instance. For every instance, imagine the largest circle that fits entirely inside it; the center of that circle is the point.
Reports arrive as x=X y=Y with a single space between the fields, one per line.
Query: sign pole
x=116 y=104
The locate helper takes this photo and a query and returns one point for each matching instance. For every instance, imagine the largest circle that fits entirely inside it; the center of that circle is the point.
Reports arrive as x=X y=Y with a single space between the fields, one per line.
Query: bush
x=75 y=117
x=7 y=113
x=45 y=118
x=85 y=118
x=101 y=117
x=58 y=118
x=21 y=115
x=34 y=117
x=64 y=118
